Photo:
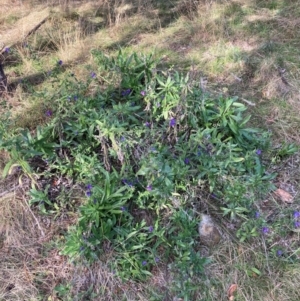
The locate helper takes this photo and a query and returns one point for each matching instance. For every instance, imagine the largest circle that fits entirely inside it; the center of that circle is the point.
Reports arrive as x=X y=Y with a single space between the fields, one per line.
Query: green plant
x=136 y=249
x=286 y=149
x=63 y=291
x=99 y=216
x=146 y=137
x=41 y=198
x=248 y=230
x=188 y=264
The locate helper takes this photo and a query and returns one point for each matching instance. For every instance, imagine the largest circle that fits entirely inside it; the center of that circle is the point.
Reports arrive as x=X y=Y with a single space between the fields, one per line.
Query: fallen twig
x=35 y=28
x=8 y=191
x=248 y=102
x=36 y=220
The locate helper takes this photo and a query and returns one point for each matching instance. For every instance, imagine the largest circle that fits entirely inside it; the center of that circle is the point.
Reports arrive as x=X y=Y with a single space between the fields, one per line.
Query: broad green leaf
x=7 y=167
x=236 y=160
x=256 y=271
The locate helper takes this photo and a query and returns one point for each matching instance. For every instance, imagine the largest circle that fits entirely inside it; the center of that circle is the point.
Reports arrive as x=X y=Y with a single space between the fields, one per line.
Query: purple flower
x=156 y=259
x=75 y=97
x=258 y=152
x=149 y=187
x=257 y=214
x=173 y=122
x=279 y=253
x=297 y=224
x=151 y=229
x=89 y=188
x=265 y=230
x=143 y=93
x=7 y=50
x=127 y=182
x=186 y=161
x=214 y=196
x=60 y=62
x=147 y=124
x=123 y=208
x=93 y=75
x=144 y=263
x=95 y=201
x=126 y=92
x=296 y=214
x=48 y=113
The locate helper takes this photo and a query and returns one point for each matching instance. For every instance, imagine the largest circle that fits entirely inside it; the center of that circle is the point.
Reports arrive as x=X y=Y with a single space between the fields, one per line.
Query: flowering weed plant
x=139 y=150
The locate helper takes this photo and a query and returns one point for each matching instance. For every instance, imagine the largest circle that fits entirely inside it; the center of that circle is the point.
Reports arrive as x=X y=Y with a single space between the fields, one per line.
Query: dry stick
x=248 y=102
x=3 y=78
x=34 y=29
x=8 y=191
x=36 y=220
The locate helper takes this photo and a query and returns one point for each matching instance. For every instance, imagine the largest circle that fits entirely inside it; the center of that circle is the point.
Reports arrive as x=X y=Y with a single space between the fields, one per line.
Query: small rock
x=284 y=196
x=208 y=232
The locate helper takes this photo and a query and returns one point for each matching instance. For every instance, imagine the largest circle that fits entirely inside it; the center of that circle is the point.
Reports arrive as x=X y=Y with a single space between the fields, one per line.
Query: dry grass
x=257 y=276
x=24 y=263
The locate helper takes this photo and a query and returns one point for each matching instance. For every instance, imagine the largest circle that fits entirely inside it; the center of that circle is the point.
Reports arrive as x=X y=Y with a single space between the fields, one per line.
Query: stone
x=208 y=232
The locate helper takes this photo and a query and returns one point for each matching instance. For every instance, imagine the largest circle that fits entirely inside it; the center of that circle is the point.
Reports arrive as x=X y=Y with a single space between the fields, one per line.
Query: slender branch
x=36 y=220
x=35 y=28
x=8 y=191
x=248 y=102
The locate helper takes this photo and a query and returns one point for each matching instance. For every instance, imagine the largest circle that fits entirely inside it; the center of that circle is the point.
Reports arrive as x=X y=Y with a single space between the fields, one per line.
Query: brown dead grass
x=25 y=259
x=233 y=264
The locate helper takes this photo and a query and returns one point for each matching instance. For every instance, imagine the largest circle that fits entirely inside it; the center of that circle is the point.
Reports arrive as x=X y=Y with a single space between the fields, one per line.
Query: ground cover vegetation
x=111 y=152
